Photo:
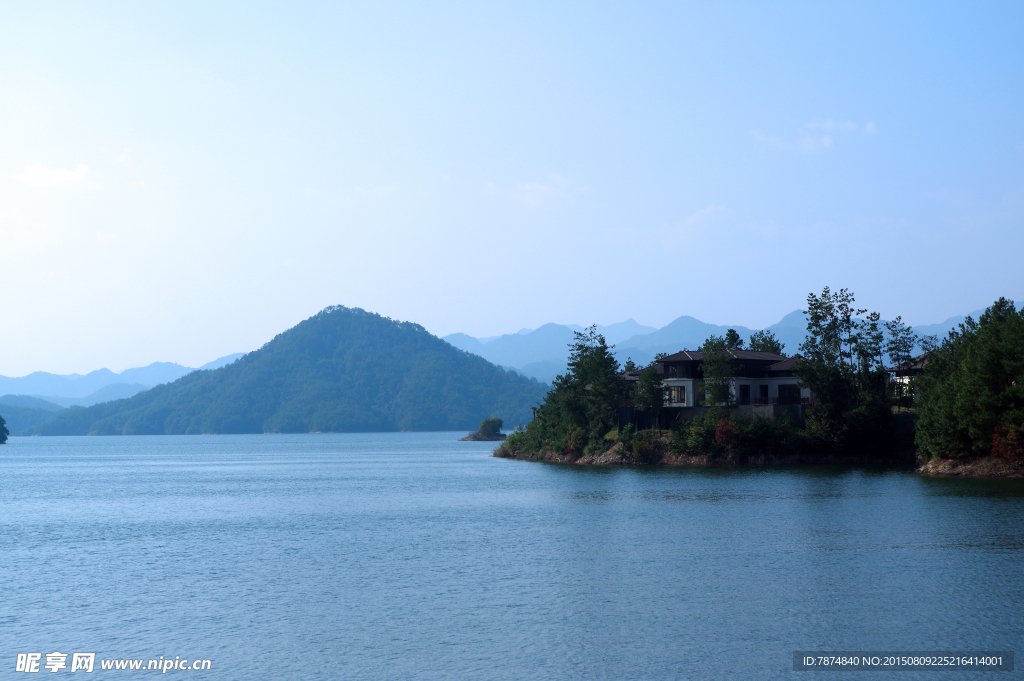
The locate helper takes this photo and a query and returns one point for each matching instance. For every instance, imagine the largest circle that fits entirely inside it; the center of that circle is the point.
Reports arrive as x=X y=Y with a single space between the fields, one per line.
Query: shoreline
x=614 y=456
x=989 y=467
x=664 y=456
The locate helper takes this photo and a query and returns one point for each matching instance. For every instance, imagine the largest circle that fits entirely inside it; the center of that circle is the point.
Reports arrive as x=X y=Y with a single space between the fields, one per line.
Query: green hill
x=21 y=418
x=342 y=370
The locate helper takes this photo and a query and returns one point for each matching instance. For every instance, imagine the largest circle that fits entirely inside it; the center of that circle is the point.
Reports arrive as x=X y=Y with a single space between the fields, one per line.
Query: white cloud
x=539 y=193
x=835 y=126
x=812 y=143
x=815 y=136
x=41 y=175
x=705 y=217
x=770 y=140
x=124 y=157
x=695 y=225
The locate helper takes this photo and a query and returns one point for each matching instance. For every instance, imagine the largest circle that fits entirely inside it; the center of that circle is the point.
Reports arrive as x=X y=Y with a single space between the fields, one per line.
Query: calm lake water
x=414 y=556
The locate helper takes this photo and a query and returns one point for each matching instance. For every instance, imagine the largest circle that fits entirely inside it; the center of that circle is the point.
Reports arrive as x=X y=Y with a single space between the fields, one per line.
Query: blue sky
x=180 y=181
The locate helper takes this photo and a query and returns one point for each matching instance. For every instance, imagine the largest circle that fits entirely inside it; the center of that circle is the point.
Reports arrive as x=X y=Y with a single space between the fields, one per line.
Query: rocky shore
x=663 y=455
x=988 y=467
x=481 y=437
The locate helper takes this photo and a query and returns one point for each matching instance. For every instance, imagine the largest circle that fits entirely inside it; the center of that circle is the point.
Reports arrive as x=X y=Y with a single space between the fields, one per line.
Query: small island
x=854 y=395
x=488 y=431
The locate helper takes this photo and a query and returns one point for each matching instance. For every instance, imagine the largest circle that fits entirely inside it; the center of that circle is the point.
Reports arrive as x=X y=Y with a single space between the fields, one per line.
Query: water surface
x=414 y=556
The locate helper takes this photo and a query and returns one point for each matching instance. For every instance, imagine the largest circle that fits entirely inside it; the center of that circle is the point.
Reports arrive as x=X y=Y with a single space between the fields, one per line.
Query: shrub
x=626 y=436
x=575 y=441
x=490 y=427
x=645 y=446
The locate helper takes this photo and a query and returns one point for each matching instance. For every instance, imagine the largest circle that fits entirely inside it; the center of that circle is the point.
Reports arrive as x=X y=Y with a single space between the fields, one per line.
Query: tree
x=717 y=368
x=733 y=340
x=765 y=341
x=490 y=427
x=843 y=369
x=595 y=368
x=629 y=366
x=3 y=431
x=971 y=393
x=583 y=403
x=900 y=343
x=649 y=394
x=869 y=343
x=830 y=328
x=899 y=346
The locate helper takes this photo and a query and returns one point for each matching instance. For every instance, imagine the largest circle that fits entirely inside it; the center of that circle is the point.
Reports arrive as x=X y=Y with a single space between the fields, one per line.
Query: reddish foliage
x=723 y=433
x=1006 y=443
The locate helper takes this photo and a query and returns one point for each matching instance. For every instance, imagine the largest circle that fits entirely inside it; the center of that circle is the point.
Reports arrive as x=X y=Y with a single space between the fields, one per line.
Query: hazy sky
x=180 y=181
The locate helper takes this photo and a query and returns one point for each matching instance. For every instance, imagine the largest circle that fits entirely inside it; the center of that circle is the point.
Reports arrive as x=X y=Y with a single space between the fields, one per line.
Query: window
x=677 y=395
x=744 y=394
x=789 y=394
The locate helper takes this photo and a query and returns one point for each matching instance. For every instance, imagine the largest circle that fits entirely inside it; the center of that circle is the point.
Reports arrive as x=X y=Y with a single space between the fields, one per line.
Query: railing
x=778 y=400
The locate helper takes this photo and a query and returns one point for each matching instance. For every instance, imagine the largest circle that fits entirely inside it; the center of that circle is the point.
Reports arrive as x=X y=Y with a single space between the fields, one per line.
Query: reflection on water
x=414 y=556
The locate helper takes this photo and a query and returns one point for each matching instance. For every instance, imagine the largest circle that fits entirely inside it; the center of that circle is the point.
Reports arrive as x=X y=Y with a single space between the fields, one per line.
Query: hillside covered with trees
x=342 y=370
x=972 y=389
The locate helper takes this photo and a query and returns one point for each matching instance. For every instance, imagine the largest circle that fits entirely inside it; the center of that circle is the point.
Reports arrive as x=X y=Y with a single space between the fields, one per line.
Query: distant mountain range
x=388 y=376
x=33 y=399
x=101 y=385
x=342 y=370
x=541 y=353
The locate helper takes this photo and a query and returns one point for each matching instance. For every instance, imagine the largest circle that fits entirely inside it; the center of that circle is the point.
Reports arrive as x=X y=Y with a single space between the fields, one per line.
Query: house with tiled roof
x=762 y=383
x=760 y=378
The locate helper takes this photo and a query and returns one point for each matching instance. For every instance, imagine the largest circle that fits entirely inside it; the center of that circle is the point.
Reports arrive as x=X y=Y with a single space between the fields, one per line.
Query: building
x=903 y=375
x=904 y=372
x=762 y=383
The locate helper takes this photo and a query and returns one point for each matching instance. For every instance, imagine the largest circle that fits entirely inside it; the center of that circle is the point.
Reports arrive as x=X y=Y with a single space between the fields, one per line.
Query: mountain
x=342 y=370
x=21 y=411
x=790 y=330
x=542 y=353
x=223 y=361
x=616 y=333
x=85 y=386
x=547 y=342
x=20 y=418
x=942 y=328
x=539 y=353
x=684 y=333
x=29 y=402
x=114 y=391
x=43 y=383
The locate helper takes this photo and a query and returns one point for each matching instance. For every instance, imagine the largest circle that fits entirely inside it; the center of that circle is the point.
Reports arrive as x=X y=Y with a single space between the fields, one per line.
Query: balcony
x=777 y=400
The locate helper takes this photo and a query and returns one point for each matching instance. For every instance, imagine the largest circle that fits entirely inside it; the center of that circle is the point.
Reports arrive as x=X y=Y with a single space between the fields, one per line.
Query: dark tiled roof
x=684 y=356
x=786 y=364
x=745 y=355
x=630 y=376
x=916 y=364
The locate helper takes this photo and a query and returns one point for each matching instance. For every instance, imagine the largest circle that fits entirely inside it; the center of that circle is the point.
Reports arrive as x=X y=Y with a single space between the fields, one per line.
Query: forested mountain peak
x=342 y=370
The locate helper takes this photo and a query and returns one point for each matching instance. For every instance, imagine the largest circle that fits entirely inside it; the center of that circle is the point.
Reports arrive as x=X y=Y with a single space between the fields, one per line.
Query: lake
x=414 y=556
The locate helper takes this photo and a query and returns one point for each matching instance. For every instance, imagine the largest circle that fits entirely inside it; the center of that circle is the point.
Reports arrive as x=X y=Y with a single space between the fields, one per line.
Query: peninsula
x=853 y=395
